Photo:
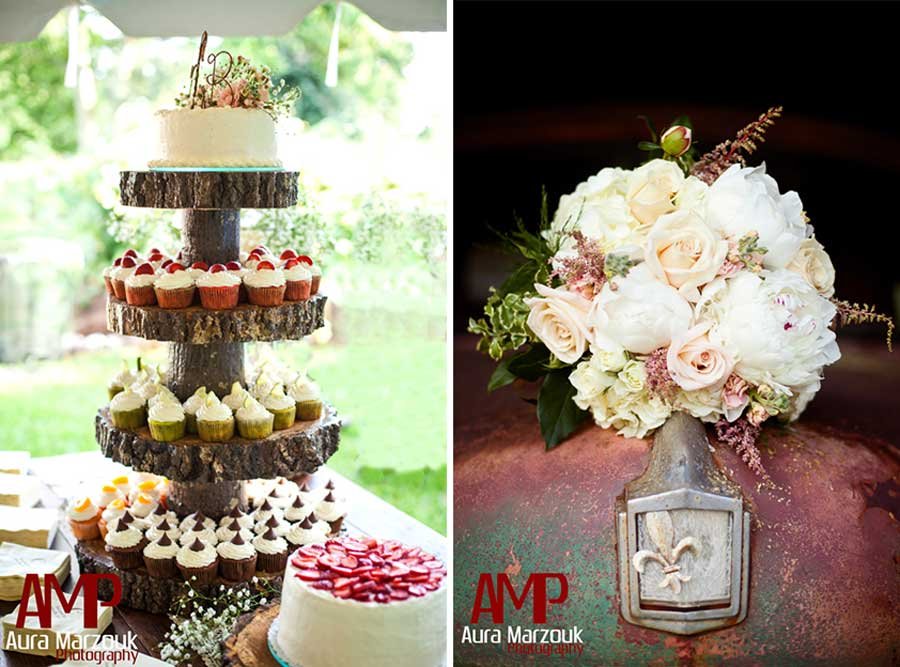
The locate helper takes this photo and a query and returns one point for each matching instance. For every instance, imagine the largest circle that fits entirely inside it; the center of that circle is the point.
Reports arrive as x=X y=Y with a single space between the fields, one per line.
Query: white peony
x=559 y=319
x=801 y=398
x=684 y=252
x=746 y=199
x=814 y=264
x=641 y=314
x=652 y=189
x=775 y=326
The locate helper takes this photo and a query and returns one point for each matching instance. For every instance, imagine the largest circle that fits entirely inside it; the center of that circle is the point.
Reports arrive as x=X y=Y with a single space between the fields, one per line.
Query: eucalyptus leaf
x=556 y=411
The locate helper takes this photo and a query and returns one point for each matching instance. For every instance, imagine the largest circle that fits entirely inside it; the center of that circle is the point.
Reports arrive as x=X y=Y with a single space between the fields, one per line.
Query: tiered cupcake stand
x=207 y=349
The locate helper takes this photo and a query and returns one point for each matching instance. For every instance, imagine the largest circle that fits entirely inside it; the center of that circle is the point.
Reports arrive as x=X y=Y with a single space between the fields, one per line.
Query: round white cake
x=215 y=137
x=373 y=603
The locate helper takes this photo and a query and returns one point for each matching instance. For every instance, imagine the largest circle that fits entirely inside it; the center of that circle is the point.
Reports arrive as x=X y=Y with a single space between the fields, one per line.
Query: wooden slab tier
x=290 y=321
x=209 y=189
x=139 y=589
x=301 y=448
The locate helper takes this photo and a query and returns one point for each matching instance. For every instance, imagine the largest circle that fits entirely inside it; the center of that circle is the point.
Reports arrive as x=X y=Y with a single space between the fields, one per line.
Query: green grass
x=392 y=393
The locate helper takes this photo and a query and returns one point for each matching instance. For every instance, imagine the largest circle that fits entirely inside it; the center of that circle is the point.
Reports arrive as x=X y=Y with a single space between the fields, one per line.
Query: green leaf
x=501 y=376
x=556 y=412
x=520 y=281
x=682 y=120
x=648 y=146
x=530 y=365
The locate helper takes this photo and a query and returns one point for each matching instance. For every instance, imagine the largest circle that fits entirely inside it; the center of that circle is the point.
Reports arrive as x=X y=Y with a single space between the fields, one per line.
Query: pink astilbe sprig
x=582 y=272
x=734 y=151
x=659 y=380
x=742 y=436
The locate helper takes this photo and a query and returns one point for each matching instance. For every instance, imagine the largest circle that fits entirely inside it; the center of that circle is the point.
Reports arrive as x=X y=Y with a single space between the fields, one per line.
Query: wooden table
x=65 y=475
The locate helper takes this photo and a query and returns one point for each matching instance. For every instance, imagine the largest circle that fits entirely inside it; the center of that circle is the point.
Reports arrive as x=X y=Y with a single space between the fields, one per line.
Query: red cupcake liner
x=109 y=286
x=314 y=288
x=140 y=296
x=118 y=289
x=219 y=298
x=242 y=293
x=266 y=296
x=175 y=298
x=297 y=290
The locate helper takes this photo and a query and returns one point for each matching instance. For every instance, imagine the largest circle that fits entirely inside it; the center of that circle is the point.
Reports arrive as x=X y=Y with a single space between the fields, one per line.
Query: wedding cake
x=367 y=602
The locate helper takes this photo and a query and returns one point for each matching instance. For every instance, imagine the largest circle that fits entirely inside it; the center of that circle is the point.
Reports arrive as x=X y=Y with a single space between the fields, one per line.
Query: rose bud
x=676 y=140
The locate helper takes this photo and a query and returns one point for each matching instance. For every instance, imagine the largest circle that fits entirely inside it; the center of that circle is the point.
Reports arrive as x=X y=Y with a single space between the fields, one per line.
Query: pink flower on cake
x=695 y=362
x=230 y=94
x=559 y=319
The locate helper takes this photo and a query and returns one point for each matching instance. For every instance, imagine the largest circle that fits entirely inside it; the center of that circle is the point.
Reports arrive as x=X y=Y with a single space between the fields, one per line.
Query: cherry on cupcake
x=217 y=268
x=118 y=262
x=265 y=265
x=131 y=252
x=145 y=269
x=200 y=266
x=166 y=264
x=287 y=254
x=233 y=266
x=291 y=263
x=128 y=262
x=155 y=257
x=173 y=267
x=306 y=259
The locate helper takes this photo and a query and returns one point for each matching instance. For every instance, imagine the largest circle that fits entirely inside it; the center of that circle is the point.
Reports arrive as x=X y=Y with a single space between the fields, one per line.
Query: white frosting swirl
x=126 y=401
x=244 y=520
x=205 y=535
x=233 y=551
x=225 y=533
x=299 y=536
x=219 y=279
x=195 y=401
x=253 y=410
x=123 y=539
x=166 y=411
x=122 y=272
x=155 y=532
x=140 y=280
x=330 y=511
x=189 y=558
x=159 y=551
x=235 y=399
x=298 y=273
x=304 y=389
x=174 y=280
x=278 y=400
x=188 y=522
x=264 y=546
x=213 y=410
x=264 y=278
x=85 y=510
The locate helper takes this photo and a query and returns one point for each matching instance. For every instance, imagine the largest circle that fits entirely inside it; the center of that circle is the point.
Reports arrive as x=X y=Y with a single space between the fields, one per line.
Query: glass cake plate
x=273 y=645
x=232 y=169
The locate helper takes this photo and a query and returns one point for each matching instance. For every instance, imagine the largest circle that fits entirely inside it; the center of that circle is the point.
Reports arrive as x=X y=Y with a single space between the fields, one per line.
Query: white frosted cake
x=367 y=602
x=215 y=137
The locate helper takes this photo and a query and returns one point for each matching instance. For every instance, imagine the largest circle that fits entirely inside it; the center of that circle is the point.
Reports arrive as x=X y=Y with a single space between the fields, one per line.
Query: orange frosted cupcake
x=108 y=493
x=84 y=518
x=113 y=511
x=218 y=288
x=265 y=285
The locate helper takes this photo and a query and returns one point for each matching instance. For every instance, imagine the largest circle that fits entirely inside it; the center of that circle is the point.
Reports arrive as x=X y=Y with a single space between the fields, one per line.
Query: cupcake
x=297 y=510
x=121 y=380
x=84 y=518
x=108 y=493
x=265 y=510
x=123 y=484
x=198 y=269
x=159 y=557
x=166 y=420
x=197 y=517
x=125 y=544
x=238 y=271
x=226 y=532
x=128 y=519
x=254 y=422
x=199 y=532
x=218 y=288
x=194 y=402
x=139 y=286
x=272 y=552
x=243 y=520
x=152 y=487
x=107 y=276
x=273 y=523
x=163 y=395
x=306 y=394
x=174 y=288
x=307 y=532
x=278 y=498
x=113 y=511
x=142 y=506
x=121 y=274
x=127 y=410
x=237 y=559
x=265 y=285
x=282 y=406
x=263 y=386
x=332 y=511
x=235 y=399
x=298 y=280
x=214 y=420
x=198 y=560
x=315 y=271
x=164 y=527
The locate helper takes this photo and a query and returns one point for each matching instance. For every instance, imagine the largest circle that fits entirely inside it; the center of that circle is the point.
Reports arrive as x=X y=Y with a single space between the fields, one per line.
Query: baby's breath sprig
x=863 y=313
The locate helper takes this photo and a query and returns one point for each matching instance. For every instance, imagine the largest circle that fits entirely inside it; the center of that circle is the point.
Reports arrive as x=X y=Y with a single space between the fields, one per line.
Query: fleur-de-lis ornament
x=662 y=534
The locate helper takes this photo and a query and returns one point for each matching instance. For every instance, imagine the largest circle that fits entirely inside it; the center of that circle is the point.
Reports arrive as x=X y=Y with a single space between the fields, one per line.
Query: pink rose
x=559 y=319
x=230 y=94
x=695 y=362
x=734 y=396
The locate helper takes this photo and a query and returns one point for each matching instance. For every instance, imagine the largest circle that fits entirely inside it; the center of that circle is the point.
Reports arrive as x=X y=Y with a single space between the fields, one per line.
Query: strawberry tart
x=362 y=601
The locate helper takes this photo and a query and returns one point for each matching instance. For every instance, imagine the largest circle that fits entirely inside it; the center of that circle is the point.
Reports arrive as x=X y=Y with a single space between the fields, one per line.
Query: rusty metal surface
x=825 y=579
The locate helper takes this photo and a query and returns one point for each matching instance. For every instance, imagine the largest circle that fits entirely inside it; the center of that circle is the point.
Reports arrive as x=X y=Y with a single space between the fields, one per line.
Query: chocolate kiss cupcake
x=124 y=545
x=237 y=514
x=198 y=560
x=199 y=532
x=297 y=511
x=331 y=511
x=159 y=557
x=272 y=552
x=237 y=559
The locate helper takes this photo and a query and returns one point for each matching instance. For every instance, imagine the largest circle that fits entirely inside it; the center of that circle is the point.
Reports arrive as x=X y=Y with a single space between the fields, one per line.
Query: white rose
x=704 y=404
x=609 y=356
x=652 y=189
x=641 y=314
x=695 y=362
x=744 y=200
x=558 y=319
x=814 y=264
x=633 y=376
x=684 y=252
x=774 y=325
x=636 y=415
x=590 y=382
x=692 y=195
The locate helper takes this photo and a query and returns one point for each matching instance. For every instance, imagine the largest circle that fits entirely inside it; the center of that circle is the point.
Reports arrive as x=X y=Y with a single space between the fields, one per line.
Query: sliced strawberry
x=419 y=569
x=418 y=591
x=362 y=586
x=363 y=597
x=352 y=545
x=342 y=592
x=217 y=268
x=233 y=266
x=308 y=575
x=361 y=570
x=344 y=571
x=431 y=586
x=310 y=551
x=131 y=252
x=323 y=584
x=399 y=594
x=402 y=585
x=341 y=582
x=306 y=259
x=155 y=257
x=200 y=266
x=287 y=254
x=350 y=561
x=382 y=598
x=118 y=262
x=398 y=571
x=166 y=264
x=261 y=249
x=128 y=262
x=376 y=559
x=265 y=265
x=145 y=269
x=156 y=251
x=291 y=263
x=433 y=564
x=173 y=267
x=325 y=562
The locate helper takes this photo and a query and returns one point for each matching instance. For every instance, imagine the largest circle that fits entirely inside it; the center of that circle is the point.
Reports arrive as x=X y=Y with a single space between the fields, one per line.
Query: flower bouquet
x=688 y=284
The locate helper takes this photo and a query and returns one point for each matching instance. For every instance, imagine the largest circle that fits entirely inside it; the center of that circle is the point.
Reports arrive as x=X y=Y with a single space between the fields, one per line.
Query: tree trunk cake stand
x=207 y=349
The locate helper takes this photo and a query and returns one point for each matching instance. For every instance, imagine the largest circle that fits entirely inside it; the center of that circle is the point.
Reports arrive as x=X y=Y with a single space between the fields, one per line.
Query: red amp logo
x=496 y=595
x=87 y=583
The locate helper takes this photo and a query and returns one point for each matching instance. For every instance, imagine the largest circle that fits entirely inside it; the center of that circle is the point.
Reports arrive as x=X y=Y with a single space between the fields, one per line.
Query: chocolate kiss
x=164 y=541
x=312 y=517
x=126 y=517
x=235 y=512
x=163 y=526
x=197 y=545
x=265 y=507
x=159 y=510
x=330 y=485
x=272 y=522
x=120 y=526
x=198 y=528
x=329 y=498
x=235 y=526
x=273 y=493
x=199 y=518
x=305 y=524
x=270 y=535
x=237 y=539
x=305 y=487
x=297 y=503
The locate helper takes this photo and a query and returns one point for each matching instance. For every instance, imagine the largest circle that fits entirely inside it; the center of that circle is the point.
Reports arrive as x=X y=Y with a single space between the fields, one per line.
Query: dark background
x=547 y=94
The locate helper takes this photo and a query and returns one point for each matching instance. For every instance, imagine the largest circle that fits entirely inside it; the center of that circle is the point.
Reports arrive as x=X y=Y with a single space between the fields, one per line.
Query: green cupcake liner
x=112 y=390
x=166 y=431
x=190 y=423
x=129 y=419
x=308 y=411
x=216 y=431
x=255 y=429
x=283 y=418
